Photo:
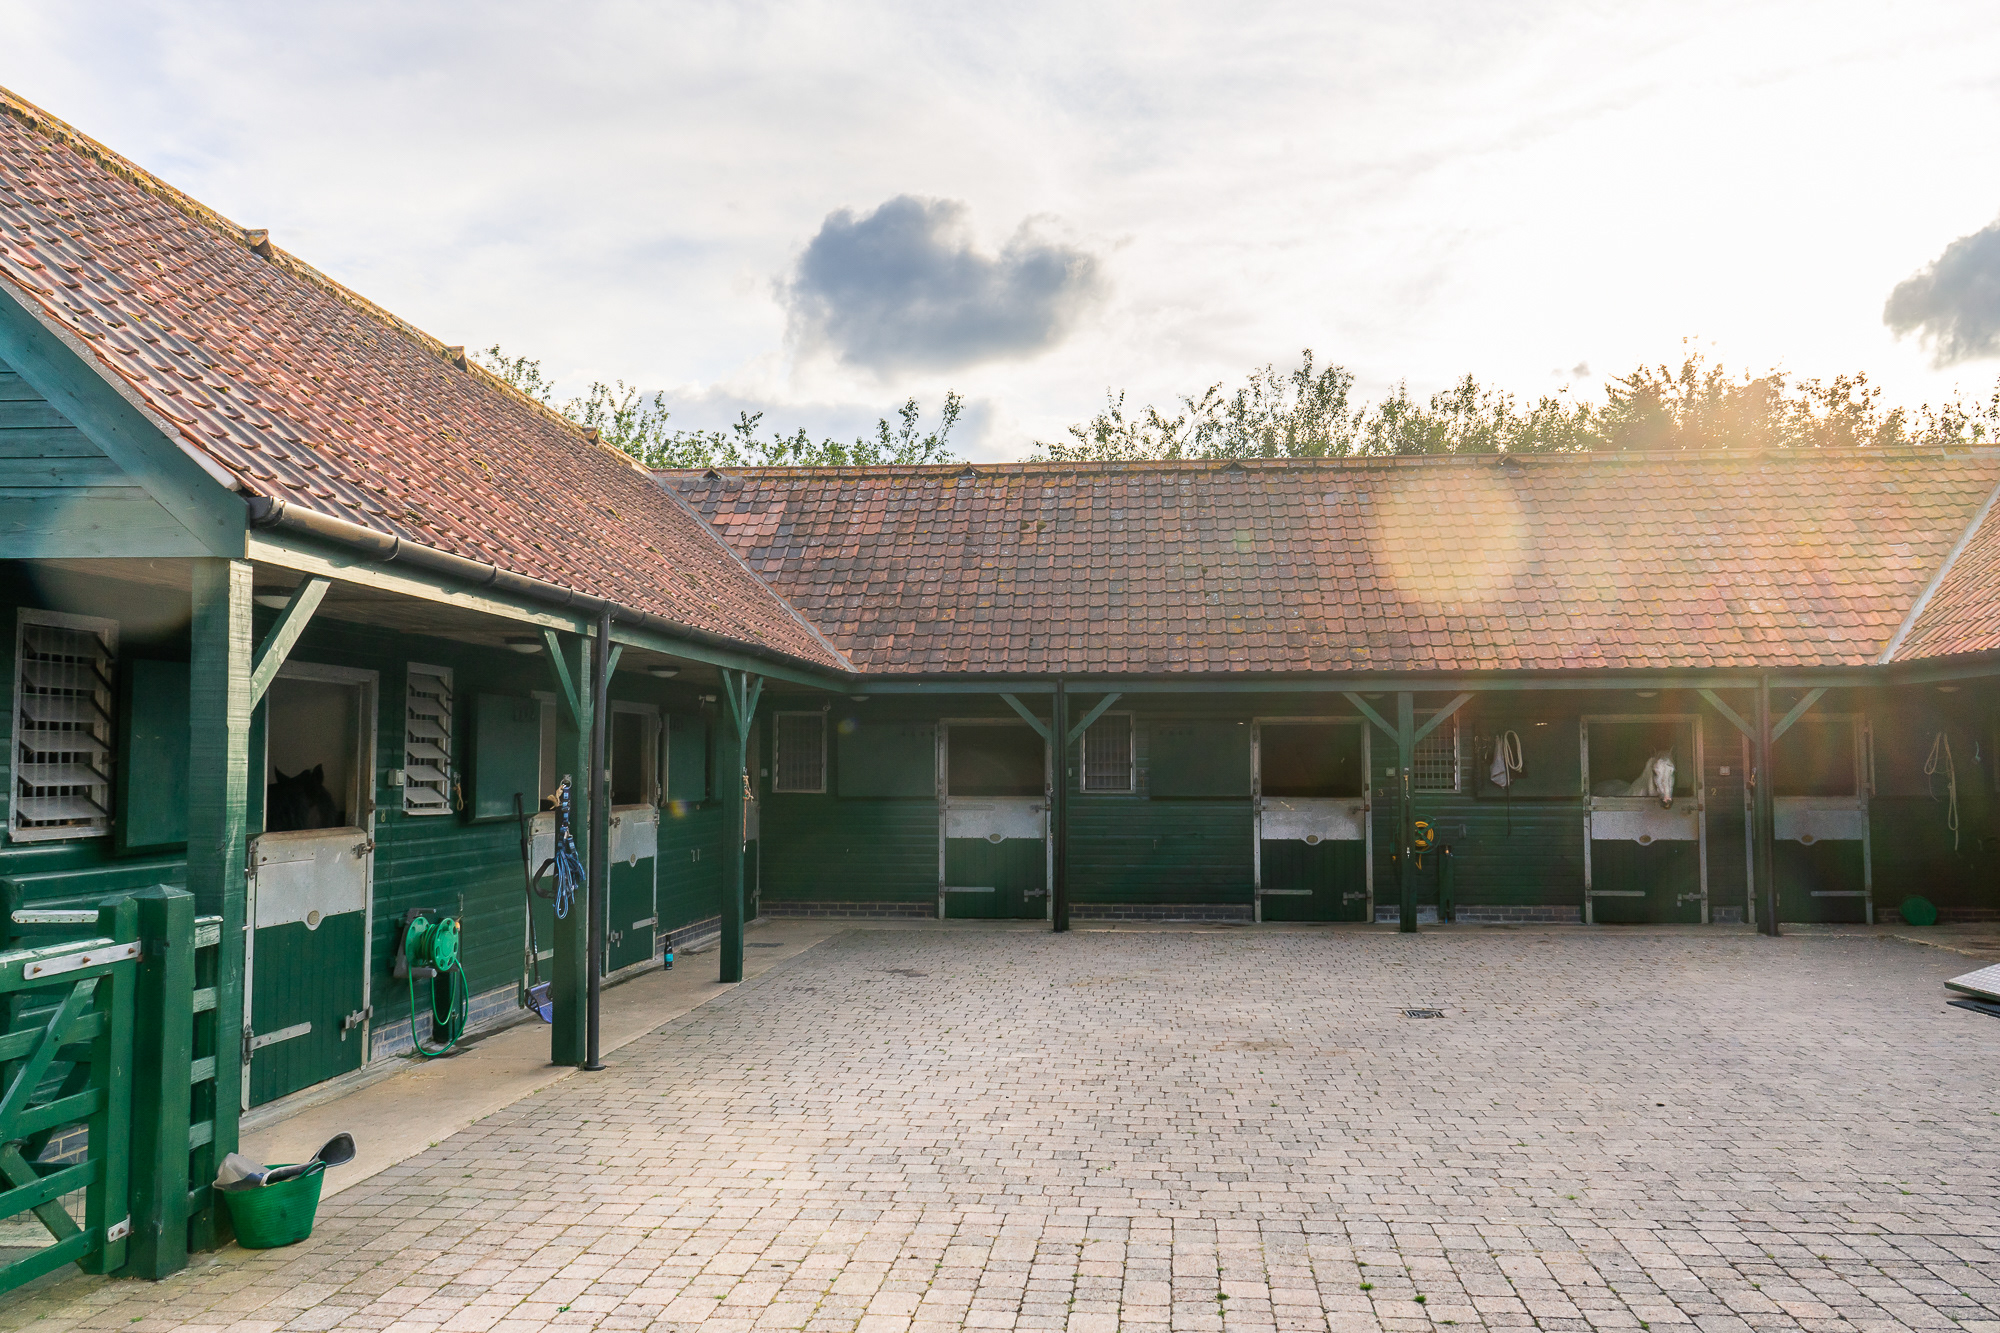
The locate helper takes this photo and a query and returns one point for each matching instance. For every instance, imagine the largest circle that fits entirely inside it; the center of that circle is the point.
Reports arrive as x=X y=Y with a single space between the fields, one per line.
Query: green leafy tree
x=1307 y=412
x=639 y=424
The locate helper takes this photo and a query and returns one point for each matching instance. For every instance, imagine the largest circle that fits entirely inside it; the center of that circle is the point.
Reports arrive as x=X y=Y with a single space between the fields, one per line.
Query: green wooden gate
x=66 y=1056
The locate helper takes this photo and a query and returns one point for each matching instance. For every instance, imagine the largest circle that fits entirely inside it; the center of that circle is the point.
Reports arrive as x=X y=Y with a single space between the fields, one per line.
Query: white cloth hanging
x=1506 y=758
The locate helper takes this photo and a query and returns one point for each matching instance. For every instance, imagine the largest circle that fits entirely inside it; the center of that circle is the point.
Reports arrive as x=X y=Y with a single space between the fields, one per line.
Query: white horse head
x=1657 y=778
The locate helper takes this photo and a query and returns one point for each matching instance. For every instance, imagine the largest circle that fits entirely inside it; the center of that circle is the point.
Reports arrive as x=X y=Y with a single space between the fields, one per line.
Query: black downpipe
x=600 y=829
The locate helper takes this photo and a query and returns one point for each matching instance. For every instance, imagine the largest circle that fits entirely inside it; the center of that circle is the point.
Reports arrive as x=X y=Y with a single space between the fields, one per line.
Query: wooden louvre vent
x=427 y=743
x=62 y=726
x=801 y=758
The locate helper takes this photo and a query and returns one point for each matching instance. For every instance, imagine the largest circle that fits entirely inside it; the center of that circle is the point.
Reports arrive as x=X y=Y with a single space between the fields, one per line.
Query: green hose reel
x=428 y=948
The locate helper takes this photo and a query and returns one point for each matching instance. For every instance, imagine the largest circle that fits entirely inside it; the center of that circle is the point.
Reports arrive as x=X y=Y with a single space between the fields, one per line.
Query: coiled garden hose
x=432 y=948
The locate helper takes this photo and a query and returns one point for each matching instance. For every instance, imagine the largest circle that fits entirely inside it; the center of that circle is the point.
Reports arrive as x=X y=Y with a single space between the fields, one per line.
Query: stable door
x=1645 y=849
x=993 y=857
x=631 y=871
x=1312 y=857
x=1819 y=786
x=310 y=883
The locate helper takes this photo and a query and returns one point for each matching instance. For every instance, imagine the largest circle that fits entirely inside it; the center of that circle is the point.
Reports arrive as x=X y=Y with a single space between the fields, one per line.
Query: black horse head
x=300 y=802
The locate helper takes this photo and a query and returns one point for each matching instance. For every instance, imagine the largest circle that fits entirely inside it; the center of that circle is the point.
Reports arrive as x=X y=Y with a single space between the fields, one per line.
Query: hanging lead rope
x=569 y=866
x=1941 y=757
x=1506 y=763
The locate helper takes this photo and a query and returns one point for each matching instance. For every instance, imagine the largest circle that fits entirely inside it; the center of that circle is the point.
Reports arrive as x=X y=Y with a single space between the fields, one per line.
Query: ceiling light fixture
x=663 y=672
x=521 y=643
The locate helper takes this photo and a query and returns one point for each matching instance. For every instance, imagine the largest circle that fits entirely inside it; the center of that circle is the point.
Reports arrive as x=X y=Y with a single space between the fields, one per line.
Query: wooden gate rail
x=70 y=1004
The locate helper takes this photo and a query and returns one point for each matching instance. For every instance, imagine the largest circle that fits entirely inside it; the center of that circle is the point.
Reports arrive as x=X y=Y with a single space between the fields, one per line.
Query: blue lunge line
x=569 y=866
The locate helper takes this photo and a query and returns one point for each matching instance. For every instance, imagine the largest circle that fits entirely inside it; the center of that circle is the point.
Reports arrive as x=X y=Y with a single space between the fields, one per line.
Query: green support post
x=219 y=705
x=740 y=692
x=569 y=1034
x=1406 y=760
x=163 y=1060
x=1064 y=750
x=1764 y=812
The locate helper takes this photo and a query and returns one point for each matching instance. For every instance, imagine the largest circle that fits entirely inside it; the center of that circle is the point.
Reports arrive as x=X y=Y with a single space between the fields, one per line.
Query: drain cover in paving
x=764 y=944
x=1423 y=1013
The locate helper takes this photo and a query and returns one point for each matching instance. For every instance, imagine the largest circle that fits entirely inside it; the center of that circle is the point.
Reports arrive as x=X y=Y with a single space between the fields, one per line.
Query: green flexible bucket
x=1918 y=912
x=267 y=1216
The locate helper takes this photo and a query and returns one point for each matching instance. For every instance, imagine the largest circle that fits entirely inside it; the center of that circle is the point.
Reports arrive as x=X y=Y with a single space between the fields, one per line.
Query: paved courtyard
x=1202 y=1129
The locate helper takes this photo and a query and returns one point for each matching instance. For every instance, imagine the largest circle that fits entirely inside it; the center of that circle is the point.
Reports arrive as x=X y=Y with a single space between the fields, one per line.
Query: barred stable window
x=427 y=741
x=1107 y=754
x=1436 y=766
x=62 y=726
x=800 y=764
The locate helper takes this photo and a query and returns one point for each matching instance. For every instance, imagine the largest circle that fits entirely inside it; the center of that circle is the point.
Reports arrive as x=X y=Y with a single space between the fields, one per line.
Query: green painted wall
x=61 y=496
x=1135 y=850
x=835 y=849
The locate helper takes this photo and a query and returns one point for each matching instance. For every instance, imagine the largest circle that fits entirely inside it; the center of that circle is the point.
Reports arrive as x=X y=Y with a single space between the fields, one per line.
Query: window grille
x=427 y=741
x=800 y=763
x=1107 y=754
x=1436 y=759
x=62 y=726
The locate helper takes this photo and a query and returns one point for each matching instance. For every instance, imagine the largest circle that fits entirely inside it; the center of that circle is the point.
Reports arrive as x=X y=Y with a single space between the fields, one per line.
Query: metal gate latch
x=118 y=1230
x=355 y=1020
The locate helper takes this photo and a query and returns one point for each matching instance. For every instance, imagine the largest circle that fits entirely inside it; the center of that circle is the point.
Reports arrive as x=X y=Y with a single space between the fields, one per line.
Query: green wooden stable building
x=309 y=619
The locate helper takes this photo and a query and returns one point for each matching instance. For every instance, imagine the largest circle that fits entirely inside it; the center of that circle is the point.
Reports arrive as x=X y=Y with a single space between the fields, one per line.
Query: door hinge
x=247 y=1035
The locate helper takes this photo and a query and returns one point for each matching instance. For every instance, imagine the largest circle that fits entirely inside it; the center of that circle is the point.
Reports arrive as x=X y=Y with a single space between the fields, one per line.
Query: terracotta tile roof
x=1963 y=613
x=303 y=391
x=1796 y=559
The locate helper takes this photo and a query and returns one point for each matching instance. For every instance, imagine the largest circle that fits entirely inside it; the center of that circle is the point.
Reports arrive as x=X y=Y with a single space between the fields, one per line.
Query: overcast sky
x=820 y=209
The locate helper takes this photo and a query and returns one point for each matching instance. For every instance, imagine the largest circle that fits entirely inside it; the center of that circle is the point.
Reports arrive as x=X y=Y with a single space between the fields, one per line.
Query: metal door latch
x=118 y=1230
x=365 y=846
x=356 y=1019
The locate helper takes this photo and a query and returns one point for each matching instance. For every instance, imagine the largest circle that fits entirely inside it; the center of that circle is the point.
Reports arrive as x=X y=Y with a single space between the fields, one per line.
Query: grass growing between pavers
x=910 y=1129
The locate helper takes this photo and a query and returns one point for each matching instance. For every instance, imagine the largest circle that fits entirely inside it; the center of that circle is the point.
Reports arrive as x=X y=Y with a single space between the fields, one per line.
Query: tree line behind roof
x=1309 y=411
